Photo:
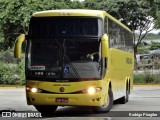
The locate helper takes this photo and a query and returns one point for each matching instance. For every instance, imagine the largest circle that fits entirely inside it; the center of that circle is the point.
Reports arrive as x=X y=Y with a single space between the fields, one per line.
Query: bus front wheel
x=46 y=109
x=106 y=107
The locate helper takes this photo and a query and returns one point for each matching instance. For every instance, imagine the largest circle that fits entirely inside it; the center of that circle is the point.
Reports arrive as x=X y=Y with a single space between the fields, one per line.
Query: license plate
x=62 y=100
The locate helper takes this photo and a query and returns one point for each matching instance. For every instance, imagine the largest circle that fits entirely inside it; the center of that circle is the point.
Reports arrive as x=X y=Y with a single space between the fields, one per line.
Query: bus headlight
x=93 y=90
x=34 y=90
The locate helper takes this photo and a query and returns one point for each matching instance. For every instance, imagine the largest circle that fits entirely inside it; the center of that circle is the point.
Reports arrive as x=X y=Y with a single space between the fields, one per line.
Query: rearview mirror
x=105 y=45
x=18 y=46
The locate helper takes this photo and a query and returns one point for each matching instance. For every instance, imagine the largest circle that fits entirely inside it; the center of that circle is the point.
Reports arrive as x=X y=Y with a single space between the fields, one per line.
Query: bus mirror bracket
x=18 y=45
x=105 y=45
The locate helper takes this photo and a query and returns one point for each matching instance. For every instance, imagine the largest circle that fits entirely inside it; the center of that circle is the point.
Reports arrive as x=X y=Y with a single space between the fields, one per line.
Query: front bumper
x=73 y=99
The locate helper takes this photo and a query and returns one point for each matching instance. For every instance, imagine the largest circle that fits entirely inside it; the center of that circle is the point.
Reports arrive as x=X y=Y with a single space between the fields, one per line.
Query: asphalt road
x=143 y=99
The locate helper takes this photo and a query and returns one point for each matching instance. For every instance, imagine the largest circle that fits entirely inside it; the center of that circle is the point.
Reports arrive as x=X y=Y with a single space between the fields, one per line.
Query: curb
x=146 y=85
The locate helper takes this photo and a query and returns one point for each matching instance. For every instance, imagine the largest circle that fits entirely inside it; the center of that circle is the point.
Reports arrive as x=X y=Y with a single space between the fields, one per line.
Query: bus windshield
x=65 y=26
x=64 y=58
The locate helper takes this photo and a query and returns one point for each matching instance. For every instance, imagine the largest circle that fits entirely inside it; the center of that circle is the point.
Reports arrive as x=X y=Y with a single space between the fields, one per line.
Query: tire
x=106 y=107
x=46 y=109
x=127 y=95
x=125 y=98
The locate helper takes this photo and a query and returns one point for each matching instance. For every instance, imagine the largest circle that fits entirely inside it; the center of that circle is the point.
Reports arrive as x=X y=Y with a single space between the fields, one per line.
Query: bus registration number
x=62 y=100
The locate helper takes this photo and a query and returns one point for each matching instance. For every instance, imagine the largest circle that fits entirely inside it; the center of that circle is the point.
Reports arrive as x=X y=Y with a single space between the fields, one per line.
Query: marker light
x=34 y=90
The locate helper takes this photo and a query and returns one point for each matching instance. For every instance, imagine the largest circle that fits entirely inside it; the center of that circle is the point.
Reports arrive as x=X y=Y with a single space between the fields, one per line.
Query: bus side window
x=113 y=33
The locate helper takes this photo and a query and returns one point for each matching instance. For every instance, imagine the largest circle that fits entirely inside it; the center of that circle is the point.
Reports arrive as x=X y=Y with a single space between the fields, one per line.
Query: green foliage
x=12 y=74
x=147 y=77
x=11 y=70
x=130 y=12
x=152 y=7
x=76 y=5
x=15 y=16
x=157 y=66
x=7 y=56
x=155 y=45
x=97 y=4
x=156 y=78
x=138 y=78
x=142 y=49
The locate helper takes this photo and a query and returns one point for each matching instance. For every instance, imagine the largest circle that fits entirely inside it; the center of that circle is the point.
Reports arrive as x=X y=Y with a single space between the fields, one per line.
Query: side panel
x=120 y=69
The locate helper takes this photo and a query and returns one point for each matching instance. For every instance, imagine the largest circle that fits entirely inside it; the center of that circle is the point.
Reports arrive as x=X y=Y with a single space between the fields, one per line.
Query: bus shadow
x=75 y=111
x=71 y=112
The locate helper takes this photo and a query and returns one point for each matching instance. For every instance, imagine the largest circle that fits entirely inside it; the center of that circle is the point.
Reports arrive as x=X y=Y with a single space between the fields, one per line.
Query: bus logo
x=61 y=89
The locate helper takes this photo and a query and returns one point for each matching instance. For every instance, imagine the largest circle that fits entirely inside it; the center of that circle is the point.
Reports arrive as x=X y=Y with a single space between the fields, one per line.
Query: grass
x=147 y=78
x=138 y=78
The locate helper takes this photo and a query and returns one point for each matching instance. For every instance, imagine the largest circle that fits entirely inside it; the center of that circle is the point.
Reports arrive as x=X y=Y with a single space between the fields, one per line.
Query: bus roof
x=70 y=12
x=78 y=12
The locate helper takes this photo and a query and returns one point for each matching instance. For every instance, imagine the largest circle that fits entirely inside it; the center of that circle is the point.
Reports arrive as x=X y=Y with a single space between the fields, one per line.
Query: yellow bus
x=77 y=58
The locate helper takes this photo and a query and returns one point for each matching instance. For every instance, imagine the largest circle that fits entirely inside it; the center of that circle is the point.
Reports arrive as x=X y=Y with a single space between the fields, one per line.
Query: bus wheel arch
x=125 y=98
x=108 y=106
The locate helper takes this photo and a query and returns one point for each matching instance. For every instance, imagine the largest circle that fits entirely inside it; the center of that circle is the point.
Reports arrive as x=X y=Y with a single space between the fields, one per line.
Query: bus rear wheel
x=106 y=107
x=46 y=109
x=125 y=98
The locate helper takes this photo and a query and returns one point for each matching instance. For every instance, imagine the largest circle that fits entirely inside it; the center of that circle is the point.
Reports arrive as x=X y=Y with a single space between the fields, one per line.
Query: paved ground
x=143 y=99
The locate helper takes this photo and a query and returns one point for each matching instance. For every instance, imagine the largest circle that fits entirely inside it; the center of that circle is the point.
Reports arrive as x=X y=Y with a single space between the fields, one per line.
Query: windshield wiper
x=69 y=62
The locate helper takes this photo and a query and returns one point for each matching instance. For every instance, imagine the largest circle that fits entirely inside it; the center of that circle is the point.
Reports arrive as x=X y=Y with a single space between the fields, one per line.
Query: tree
x=95 y=4
x=155 y=46
x=153 y=9
x=133 y=15
x=129 y=12
x=13 y=21
x=15 y=16
x=76 y=5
